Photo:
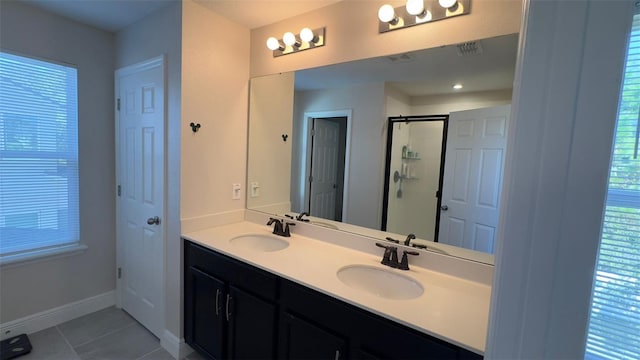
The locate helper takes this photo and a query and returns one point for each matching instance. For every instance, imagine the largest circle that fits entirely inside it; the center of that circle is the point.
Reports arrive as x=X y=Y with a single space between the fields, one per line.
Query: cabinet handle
x=217 y=302
x=228 y=312
x=337 y=355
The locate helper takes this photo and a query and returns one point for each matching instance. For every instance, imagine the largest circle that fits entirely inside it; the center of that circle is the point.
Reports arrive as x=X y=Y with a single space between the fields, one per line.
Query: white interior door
x=324 y=168
x=474 y=162
x=140 y=163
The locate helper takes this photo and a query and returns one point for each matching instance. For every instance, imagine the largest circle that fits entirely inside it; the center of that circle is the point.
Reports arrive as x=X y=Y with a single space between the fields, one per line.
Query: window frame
x=59 y=249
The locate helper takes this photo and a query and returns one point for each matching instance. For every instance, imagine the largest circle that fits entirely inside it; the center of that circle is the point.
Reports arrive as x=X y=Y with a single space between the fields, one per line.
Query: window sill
x=7 y=261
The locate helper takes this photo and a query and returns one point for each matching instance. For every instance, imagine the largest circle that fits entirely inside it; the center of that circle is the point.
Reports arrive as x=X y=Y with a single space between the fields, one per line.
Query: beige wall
x=30 y=288
x=215 y=80
x=160 y=34
x=269 y=160
x=352 y=33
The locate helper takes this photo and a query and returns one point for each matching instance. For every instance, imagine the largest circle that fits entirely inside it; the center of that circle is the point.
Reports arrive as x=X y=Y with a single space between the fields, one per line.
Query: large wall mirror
x=319 y=142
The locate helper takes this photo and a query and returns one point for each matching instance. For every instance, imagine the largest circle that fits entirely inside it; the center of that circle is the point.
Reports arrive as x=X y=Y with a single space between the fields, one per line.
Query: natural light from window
x=614 y=325
x=38 y=157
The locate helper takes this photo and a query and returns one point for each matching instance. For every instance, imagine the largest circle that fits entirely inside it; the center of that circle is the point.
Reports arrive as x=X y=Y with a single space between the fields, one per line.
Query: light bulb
x=447 y=3
x=457 y=86
x=273 y=43
x=307 y=35
x=424 y=17
x=415 y=7
x=289 y=39
x=386 y=13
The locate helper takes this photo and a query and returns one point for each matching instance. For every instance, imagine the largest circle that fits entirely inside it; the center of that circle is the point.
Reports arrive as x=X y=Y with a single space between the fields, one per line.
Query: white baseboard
x=52 y=317
x=175 y=346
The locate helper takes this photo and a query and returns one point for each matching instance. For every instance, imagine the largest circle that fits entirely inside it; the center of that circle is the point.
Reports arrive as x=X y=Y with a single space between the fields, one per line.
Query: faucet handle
x=390 y=239
x=404 y=263
x=277 y=225
x=301 y=215
x=390 y=257
x=286 y=231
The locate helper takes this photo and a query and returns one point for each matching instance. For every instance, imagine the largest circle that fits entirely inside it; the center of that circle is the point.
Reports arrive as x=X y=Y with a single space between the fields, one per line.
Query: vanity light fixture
x=291 y=43
x=417 y=12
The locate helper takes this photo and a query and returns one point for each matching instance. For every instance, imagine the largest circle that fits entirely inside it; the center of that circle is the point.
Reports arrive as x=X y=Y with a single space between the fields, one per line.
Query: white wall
x=30 y=288
x=160 y=34
x=561 y=131
x=367 y=147
x=447 y=103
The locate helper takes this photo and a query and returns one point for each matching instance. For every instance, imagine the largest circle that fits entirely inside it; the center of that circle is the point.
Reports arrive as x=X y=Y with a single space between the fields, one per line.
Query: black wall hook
x=194 y=127
x=284 y=137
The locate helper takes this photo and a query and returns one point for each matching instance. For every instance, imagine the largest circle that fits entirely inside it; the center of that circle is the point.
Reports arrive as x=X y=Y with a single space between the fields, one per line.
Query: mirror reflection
x=318 y=143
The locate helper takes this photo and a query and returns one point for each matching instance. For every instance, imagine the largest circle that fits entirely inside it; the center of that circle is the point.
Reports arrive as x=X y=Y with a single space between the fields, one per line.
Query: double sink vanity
x=322 y=293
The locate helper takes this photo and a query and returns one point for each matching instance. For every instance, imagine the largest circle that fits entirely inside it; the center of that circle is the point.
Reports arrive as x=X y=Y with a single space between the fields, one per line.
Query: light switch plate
x=235 y=195
x=255 y=189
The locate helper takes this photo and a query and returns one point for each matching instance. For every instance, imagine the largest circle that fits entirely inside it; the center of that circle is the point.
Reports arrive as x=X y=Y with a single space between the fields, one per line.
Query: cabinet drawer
x=242 y=275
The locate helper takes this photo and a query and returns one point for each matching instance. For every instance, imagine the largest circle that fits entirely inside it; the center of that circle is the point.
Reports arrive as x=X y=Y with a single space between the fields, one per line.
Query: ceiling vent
x=469 y=48
x=400 y=58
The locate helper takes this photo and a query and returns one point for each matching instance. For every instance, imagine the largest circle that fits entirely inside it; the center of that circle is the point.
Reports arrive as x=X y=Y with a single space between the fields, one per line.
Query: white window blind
x=38 y=156
x=614 y=324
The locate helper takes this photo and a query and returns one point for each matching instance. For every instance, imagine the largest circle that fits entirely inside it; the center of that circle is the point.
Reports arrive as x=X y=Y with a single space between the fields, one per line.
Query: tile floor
x=109 y=334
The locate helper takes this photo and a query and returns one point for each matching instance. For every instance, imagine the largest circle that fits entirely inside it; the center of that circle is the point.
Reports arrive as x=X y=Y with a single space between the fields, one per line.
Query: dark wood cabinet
x=236 y=311
x=300 y=339
x=205 y=331
x=229 y=311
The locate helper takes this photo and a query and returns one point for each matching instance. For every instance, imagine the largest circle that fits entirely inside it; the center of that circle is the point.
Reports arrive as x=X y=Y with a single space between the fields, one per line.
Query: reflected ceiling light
x=457 y=86
x=274 y=44
x=387 y=14
x=416 y=12
x=290 y=43
x=447 y=3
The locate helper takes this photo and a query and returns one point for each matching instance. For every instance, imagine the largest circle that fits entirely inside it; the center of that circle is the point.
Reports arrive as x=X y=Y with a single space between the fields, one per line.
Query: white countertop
x=451 y=308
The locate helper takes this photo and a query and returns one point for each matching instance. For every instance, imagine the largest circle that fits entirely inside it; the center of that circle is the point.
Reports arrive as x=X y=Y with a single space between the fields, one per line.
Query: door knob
x=444 y=208
x=153 y=220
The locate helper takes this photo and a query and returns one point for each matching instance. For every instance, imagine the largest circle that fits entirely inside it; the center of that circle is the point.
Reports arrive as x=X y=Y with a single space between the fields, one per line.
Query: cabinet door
x=204 y=325
x=252 y=324
x=300 y=339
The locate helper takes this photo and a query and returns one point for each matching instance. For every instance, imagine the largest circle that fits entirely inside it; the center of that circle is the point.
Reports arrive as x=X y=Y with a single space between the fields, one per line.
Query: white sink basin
x=380 y=282
x=260 y=242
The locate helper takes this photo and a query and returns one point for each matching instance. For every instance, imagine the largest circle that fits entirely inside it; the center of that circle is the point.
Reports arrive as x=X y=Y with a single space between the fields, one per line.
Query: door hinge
x=119 y=273
x=119 y=190
x=310 y=178
x=313 y=132
x=118 y=104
